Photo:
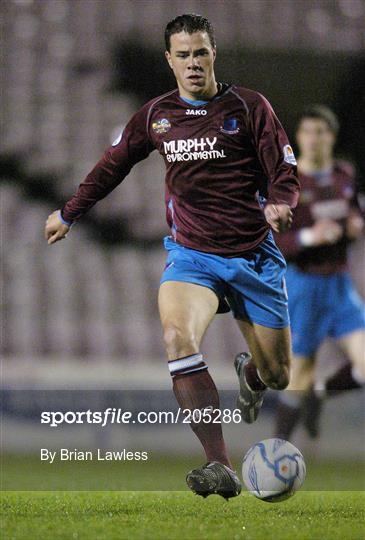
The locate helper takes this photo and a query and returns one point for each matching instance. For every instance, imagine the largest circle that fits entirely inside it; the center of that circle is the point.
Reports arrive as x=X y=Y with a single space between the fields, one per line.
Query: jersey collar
x=222 y=88
x=194 y=102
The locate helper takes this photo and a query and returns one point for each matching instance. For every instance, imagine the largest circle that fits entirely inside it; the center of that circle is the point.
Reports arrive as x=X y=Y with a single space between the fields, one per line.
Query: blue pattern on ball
x=276 y=465
x=252 y=476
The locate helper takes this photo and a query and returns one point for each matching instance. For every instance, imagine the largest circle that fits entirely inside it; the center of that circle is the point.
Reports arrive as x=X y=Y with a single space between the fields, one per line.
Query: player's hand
x=354 y=226
x=55 y=230
x=278 y=216
x=325 y=231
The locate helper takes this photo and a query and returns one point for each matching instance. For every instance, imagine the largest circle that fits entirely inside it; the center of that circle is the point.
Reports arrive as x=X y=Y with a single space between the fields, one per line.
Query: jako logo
x=196 y=112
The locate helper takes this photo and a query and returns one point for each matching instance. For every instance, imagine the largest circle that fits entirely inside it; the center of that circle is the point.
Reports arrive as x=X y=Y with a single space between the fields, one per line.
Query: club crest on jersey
x=161 y=126
x=289 y=156
x=230 y=126
x=196 y=112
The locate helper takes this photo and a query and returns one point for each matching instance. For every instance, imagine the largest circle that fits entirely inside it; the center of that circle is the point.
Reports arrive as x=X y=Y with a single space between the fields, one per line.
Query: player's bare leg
x=186 y=311
x=304 y=398
x=353 y=345
x=289 y=409
x=271 y=352
x=349 y=377
x=267 y=365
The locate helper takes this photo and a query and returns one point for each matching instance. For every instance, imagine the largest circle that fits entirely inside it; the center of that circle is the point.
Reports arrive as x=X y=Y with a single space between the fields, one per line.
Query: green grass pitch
x=167 y=515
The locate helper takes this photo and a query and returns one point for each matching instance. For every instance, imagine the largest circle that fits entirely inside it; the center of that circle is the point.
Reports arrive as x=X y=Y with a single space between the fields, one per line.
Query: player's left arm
x=278 y=216
x=278 y=162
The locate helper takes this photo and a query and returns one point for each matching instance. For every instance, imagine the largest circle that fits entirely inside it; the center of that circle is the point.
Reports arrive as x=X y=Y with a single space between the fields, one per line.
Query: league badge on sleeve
x=289 y=156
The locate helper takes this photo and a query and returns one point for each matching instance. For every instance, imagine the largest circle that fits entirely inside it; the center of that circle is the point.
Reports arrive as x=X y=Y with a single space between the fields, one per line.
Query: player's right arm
x=133 y=146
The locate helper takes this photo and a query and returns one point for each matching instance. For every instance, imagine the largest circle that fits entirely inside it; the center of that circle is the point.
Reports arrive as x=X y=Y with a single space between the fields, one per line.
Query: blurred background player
x=220 y=144
x=322 y=299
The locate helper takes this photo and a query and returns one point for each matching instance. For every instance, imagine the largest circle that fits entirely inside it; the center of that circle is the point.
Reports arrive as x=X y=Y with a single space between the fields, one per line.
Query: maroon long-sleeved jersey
x=332 y=195
x=218 y=156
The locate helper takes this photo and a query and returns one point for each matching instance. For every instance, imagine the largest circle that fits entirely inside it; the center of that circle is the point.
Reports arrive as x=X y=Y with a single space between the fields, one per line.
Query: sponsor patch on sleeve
x=289 y=156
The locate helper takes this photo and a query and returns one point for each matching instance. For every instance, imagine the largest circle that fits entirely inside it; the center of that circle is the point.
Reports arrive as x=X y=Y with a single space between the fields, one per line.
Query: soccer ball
x=273 y=470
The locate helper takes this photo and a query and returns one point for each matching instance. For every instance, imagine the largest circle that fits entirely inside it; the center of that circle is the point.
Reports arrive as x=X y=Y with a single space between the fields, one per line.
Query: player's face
x=191 y=58
x=315 y=139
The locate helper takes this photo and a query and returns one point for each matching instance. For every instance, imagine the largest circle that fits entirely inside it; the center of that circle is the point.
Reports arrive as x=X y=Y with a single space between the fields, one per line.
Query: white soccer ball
x=273 y=470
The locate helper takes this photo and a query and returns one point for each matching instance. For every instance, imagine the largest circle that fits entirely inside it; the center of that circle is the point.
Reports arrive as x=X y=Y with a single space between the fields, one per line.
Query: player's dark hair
x=190 y=23
x=321 y=112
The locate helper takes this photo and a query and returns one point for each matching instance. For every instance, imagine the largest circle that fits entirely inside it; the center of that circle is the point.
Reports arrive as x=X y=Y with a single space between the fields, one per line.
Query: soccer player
x=322 y=299
x=223 y=147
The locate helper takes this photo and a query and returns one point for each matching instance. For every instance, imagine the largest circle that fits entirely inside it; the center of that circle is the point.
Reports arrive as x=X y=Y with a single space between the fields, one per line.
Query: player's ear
x=214 y=54
x=168 y=58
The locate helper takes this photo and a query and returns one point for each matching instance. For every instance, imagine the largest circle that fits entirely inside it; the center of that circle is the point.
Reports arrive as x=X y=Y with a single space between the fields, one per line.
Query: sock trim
x=187 y=364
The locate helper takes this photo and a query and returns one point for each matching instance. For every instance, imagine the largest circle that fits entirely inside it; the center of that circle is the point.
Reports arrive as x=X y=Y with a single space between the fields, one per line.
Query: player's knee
x=179 y=342
x=276 y=377
x=283 y=379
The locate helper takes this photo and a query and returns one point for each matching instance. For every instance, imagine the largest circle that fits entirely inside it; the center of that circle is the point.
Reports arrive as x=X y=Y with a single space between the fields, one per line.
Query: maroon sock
x=252 y=378
x=341 y=381
x=194 y=389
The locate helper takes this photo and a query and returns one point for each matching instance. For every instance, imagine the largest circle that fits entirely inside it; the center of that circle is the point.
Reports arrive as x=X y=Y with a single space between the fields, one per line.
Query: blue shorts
x=253 y=285
x=321 y=306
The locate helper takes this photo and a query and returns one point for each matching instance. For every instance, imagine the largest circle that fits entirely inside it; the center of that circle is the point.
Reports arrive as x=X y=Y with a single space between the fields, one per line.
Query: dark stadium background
x=82 y=315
